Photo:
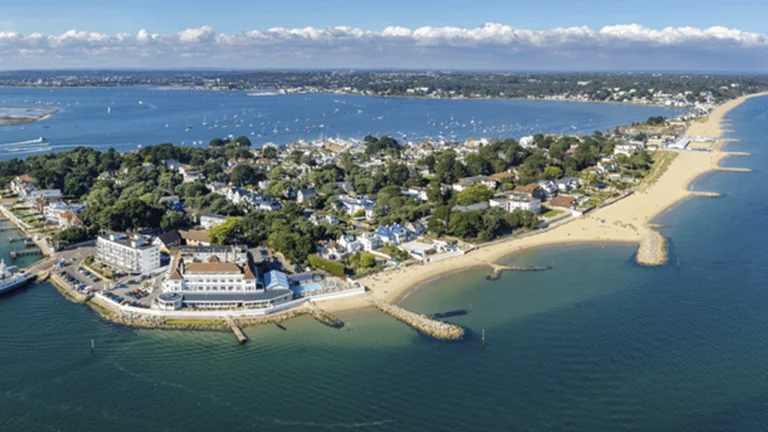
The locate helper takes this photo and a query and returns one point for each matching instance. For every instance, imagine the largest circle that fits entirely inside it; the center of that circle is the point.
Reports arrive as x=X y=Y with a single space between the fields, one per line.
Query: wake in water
x=20 y=143
x=351 y=425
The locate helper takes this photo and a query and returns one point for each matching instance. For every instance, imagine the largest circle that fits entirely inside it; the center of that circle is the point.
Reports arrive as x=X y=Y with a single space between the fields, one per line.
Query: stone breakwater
x=498 y=269
x=422 y=323
x=653 y=248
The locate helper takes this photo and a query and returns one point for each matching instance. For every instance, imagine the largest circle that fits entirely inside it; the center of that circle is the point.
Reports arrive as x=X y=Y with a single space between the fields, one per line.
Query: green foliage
x=474 y=194
x=227 y=232
x=71 y=235
x=334 y=268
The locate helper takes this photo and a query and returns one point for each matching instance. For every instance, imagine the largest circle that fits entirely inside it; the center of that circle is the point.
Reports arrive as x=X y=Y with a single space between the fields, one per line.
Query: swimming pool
x=303 y=288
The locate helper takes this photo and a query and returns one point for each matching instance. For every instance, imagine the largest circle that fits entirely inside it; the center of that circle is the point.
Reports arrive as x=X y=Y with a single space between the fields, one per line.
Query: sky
x=415 y=34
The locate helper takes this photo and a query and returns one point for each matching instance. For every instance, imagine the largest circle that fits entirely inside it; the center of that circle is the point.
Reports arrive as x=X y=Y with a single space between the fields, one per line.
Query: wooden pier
x=26 y=252
x=241 y=337
x=423 y=324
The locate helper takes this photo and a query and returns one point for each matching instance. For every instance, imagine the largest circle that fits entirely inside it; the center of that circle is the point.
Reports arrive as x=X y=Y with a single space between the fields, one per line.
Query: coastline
x=626 y=221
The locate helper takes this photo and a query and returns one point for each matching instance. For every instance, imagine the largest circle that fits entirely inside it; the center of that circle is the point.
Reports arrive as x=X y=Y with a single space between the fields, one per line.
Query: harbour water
x=598 y=343
x=125 y=118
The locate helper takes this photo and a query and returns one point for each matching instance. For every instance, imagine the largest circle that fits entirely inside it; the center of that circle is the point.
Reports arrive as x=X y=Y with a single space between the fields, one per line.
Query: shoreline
x=626 y=221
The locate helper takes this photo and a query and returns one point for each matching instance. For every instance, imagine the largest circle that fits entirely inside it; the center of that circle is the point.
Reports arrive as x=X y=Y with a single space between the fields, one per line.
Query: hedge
x=331 y=267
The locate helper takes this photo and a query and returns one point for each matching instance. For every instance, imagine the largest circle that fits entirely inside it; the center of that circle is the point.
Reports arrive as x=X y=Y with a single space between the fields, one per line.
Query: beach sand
x=627 y=220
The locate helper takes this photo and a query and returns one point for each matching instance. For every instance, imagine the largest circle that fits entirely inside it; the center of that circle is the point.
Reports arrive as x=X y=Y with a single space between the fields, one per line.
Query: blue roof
x=275 y=279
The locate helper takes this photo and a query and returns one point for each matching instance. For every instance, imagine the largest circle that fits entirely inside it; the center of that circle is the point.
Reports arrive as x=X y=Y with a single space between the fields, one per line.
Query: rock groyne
x=423 y=324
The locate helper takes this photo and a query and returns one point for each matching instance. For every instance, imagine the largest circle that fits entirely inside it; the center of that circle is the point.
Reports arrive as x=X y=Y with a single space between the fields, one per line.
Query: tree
x=269 y=152
x=474 y=194
x=175 y=220
x=553 y=172
x=228 y=232
x=217 y=142
x=242 y=141
x=243 y=174
x=367 y=260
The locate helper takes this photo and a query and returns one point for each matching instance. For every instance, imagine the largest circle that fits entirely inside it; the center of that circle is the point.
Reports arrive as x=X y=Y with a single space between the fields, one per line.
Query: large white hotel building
x=133 y=254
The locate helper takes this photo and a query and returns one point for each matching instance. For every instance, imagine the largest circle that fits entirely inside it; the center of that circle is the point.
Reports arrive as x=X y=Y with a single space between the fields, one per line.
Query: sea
x=598 y=343
x=128 y=118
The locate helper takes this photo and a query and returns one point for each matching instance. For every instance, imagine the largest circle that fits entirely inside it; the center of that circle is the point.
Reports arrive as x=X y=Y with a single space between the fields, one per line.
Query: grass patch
x=552 y=213
x=661 y=162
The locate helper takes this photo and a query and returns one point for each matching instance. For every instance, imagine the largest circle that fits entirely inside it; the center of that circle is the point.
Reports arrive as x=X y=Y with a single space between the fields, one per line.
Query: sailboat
x=109 y=109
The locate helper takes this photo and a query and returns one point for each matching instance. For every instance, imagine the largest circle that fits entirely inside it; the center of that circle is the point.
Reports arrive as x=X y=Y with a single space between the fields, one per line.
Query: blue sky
x=162 y=16
x=428 y=34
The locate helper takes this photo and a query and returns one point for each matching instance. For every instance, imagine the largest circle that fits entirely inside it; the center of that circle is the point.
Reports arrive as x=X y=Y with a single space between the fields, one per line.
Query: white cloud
x=492 y=46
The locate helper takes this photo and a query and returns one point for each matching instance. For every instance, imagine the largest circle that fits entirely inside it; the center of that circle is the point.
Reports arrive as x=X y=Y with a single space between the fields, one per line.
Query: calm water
x=125 y=118
x=597 y=344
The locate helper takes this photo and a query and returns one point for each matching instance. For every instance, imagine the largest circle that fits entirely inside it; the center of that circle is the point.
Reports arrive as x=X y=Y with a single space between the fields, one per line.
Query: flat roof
x=237 y=297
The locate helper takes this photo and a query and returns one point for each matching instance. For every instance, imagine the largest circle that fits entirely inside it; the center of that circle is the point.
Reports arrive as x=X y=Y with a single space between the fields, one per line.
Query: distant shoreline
x=626 y=221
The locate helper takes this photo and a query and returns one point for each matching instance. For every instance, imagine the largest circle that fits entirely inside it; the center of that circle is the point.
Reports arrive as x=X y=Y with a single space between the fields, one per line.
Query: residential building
x=304 y=194
x=351 y=205
x=53 y=210
x=370 y=241
x=131 y=253
x=208 y=221
x=394 y=234
x=472 y=181
x=567 y=184
x=512 y=201
x=533 y=190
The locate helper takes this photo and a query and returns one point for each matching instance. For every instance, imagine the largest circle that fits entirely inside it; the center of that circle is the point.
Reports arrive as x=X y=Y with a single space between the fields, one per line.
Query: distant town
x=680 y=90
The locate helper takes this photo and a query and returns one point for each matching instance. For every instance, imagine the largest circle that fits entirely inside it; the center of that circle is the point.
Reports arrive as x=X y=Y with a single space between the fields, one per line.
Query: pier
x=15 y=254
x=706 y=194
x=498 y=269
x=423 y=324
x=241 y=337
x=727 y=169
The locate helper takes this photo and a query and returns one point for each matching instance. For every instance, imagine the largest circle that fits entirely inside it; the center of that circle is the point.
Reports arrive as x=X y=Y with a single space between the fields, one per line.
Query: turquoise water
x=141 y=116
x=598 y=343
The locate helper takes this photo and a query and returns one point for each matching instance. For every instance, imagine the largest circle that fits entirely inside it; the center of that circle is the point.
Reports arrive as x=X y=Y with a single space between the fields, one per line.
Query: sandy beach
x=627 y=220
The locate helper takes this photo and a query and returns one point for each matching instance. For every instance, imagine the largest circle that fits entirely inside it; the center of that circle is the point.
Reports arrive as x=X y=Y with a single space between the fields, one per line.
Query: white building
x=55 y=209
x=370 y=241
x=134 y=254
x=222 y=278
x=211 y=220
x=513 y=201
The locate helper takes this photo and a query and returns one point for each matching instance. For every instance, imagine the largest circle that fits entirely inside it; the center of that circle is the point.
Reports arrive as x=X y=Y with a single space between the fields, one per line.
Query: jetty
x=423 y=324
x=241 y=337
x=731 y=169
x=706 y=194
x=498 y=269
x=324 y=317
x=16 y=254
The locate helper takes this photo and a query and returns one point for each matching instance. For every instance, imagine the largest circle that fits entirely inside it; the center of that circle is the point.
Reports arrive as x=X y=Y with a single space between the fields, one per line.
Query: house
x=303 y=194
x=563 y=201
x=472 y=181
x=350 y=243
x=514 y=201
x=567 y=184
x=270 y=204
x=499 y=177
x=192 y=176
x=533 y=190
x=416 y=228
x=195 y=237
x=548 y=186
x=217 y=187
x=416 y=192
x=53 y=210
x=172 y=201
x=352 y=205
x=167 y=240
x=69 y=220
x=527 y=141
x=370 y=241
x=208 y=221
x=394 y=234
x=34 y=195
x=172 y=164
x=20 y=184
